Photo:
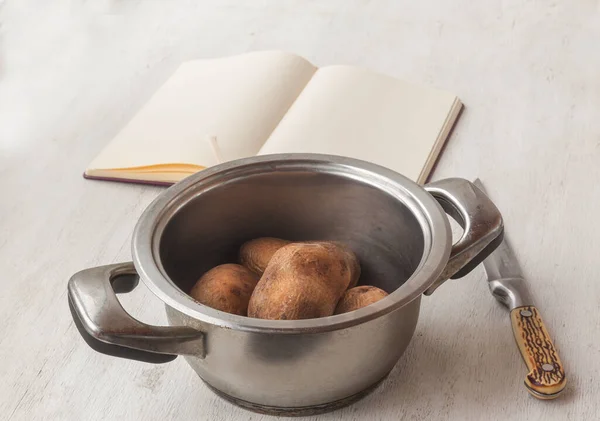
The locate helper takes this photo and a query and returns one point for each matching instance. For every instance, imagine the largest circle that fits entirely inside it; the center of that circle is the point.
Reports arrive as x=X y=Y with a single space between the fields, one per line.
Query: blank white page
x=238 y=99
x=360 y=114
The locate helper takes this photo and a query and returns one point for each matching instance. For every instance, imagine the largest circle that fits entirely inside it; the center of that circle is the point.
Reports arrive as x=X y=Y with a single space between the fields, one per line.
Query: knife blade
x=546 y=378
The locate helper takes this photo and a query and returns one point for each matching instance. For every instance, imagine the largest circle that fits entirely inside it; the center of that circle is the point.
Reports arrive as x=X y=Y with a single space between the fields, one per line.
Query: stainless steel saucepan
x=397 y=228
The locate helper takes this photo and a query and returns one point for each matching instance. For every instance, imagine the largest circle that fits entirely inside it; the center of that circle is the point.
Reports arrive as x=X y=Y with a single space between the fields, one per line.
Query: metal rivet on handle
x=526 y=313
x=548 y=367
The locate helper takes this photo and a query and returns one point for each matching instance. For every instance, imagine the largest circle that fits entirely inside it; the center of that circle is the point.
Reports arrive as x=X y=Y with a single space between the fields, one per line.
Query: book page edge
x=161 y=178
x=441 y=141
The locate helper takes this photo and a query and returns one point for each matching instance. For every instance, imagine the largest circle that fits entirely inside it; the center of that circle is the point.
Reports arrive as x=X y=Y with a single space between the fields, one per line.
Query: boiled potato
x=304 y=281
x=359 y=297
x=256 y=254
x=227 y=288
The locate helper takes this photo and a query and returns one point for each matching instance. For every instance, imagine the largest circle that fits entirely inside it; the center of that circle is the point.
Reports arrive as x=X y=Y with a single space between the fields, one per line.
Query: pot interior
x=208 y=229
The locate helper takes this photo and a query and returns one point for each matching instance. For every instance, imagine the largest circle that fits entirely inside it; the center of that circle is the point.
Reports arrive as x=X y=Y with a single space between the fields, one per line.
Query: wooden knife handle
x=546 y=377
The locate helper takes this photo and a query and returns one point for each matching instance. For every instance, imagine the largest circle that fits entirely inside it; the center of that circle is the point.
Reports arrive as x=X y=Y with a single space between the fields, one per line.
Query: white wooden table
x=73 y=72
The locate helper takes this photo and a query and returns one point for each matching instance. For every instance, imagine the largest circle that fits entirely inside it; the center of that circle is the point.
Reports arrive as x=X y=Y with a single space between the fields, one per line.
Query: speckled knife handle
x=546 y=378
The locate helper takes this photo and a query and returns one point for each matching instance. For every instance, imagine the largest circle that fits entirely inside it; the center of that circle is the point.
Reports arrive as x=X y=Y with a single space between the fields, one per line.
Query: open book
x=275 y=102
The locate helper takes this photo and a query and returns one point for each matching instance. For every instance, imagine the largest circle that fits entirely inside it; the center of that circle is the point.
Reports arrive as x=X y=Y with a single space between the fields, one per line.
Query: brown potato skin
x=227 y=288
x=256 y=254
x=359 y=297
x=304 y=281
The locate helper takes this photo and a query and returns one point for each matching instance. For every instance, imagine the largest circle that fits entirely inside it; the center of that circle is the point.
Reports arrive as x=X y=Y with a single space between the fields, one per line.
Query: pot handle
x=109 y=329
x=477 y=215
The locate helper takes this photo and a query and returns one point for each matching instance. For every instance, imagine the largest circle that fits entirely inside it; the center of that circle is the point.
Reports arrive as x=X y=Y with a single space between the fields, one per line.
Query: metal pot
x=397 y=228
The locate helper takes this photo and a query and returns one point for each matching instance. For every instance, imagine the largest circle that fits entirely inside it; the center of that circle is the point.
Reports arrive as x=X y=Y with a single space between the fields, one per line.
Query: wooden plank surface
x=73 y=72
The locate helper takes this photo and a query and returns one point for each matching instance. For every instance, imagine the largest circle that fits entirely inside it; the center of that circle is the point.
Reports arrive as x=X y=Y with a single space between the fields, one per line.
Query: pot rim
x=430 y=215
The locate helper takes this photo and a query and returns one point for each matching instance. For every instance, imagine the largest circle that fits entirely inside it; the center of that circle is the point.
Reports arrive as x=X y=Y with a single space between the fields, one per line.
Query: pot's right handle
x=477 y=215
x=108 y=328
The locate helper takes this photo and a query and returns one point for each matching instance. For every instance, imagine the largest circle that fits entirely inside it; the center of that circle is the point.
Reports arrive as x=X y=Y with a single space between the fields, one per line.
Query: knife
x=546 y=378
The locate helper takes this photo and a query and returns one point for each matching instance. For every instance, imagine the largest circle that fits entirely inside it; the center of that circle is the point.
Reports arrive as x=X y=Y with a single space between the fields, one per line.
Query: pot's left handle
x=108 y=328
